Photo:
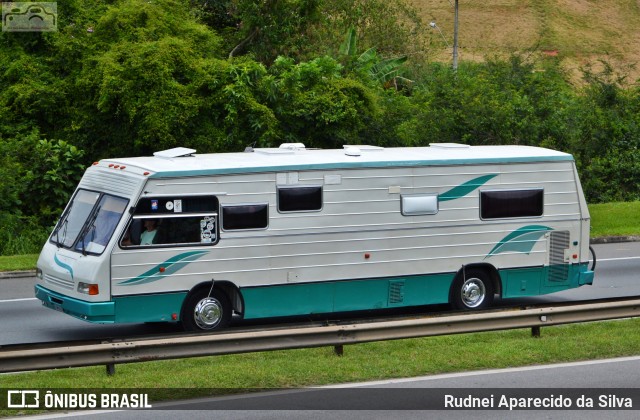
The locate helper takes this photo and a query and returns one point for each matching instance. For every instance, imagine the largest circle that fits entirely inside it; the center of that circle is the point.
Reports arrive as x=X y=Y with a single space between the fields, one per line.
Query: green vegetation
x=18 y=262
x=129 y=77
x=362 y=362
x=615 y=219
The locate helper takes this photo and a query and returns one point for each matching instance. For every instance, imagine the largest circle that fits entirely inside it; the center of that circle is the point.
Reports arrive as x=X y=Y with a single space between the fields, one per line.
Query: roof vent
x=352 y=151
x=292 y=146
x=174 y=153
x=365 y=147
x=449 y=145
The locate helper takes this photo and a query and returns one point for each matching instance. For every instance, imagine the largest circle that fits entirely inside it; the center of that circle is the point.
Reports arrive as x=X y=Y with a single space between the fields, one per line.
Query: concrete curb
x=16 y=274
x=615 y=239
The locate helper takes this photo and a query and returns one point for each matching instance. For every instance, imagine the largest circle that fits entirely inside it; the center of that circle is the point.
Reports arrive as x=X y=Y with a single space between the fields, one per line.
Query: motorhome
x=199 y=238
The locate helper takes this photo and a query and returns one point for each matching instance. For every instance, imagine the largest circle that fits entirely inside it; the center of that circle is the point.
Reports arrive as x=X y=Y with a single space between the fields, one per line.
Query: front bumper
x=98 y=312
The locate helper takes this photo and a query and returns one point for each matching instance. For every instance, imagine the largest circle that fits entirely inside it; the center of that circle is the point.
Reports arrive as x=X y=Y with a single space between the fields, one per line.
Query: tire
x=472 y=290
x=201 y=312
x=593 y=258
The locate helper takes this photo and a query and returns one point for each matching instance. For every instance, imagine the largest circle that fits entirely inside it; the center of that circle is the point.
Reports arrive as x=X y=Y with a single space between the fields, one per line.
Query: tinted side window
x=177 y=204
x=307 y=198
x=246 y=216
x=499 y=204
x=179 y=220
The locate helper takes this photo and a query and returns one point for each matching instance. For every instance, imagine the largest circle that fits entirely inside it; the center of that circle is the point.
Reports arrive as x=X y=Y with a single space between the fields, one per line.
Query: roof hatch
x=174 y=153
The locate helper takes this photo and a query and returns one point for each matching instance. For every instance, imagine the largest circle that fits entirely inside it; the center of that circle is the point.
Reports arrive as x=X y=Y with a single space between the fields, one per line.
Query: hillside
x=576 y=31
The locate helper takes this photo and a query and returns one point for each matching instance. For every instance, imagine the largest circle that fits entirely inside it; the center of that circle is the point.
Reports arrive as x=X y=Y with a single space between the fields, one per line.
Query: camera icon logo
x=29 y=16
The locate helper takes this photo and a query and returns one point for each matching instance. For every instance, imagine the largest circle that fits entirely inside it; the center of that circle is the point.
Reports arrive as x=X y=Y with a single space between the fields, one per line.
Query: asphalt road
x=25 y=321
x=415 y=398
x=583 y=390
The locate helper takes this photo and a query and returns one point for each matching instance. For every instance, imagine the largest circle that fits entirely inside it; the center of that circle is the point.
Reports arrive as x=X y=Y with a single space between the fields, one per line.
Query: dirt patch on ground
x=576 y=31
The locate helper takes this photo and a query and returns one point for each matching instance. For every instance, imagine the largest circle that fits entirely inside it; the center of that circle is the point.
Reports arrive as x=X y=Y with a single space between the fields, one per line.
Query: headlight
x=88 y=288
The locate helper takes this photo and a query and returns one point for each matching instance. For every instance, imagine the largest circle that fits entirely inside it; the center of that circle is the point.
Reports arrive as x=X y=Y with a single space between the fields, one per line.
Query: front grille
x=56 y=281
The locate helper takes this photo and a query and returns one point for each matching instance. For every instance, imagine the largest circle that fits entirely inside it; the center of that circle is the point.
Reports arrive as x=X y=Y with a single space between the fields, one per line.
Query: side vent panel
x=396 y=292
x=558 y=267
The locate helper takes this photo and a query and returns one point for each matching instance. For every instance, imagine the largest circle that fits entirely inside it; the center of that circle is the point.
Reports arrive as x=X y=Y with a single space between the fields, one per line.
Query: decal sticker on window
x=208 y=230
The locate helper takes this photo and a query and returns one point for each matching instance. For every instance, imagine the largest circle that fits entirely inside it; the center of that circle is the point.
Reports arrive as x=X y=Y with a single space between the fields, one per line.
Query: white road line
x=17 y=300
x=483 y=372
x=617 y=259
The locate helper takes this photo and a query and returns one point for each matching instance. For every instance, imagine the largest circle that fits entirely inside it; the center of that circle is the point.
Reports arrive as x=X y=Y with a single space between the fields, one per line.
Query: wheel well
x=490 y=270
x=230 y=289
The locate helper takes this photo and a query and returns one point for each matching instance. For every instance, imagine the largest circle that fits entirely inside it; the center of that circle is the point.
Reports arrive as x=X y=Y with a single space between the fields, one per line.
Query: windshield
x=89 y=221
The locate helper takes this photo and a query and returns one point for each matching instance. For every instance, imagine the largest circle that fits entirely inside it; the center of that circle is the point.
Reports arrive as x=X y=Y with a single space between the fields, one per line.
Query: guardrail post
x=338 y=350
x=535 y=332
x=111 y=369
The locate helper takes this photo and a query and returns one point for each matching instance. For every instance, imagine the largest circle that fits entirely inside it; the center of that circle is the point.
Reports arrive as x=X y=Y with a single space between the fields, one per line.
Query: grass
x=615 y=219
x=18 y=262
x=188 y=378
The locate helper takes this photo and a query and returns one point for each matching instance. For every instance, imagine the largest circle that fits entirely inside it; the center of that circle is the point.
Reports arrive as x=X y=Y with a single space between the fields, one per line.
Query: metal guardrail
x=143 y=350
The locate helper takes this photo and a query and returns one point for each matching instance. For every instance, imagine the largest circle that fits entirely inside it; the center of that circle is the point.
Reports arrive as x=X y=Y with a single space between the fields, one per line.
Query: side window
x=245 y=216
x=418 y=204
x=299 y=198
x=173 y=221
x=504 y=204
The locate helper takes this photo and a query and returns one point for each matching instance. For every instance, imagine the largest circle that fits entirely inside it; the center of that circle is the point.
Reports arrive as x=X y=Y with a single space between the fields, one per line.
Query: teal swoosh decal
x=520 y=240
x=63 y=265
x=171 y=266
x=464 y=189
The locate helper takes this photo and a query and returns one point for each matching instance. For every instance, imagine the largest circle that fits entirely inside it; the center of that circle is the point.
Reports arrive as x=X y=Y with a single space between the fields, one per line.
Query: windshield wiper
x=64 y=221
x=90 y=225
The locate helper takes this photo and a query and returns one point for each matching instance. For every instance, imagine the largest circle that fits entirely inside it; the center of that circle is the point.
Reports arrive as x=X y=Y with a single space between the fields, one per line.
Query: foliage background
x=129 y=77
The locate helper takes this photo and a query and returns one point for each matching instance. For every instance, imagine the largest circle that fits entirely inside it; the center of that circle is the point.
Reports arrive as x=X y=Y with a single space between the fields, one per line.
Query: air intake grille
x=57 y=281
x=396 y=292
x=558 y=267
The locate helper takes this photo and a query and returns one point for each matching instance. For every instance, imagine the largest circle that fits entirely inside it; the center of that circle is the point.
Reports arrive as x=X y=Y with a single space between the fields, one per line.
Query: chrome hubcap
x=208 y=313
x=472 y=293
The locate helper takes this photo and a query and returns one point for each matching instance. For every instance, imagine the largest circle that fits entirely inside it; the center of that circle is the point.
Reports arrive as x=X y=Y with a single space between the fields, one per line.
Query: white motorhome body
x=290 y=231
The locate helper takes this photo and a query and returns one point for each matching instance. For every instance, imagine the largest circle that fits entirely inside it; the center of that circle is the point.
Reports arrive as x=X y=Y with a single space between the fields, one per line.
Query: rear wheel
x=472 y=289
x=204 y=312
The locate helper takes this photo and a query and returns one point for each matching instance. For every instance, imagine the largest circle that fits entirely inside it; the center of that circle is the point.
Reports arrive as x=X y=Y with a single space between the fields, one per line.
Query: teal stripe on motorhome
x=315 y=298
x=63 y=265
x=358 y=164
x=464 y=189
x=169 y=267
x=345 y=296
x=520 y=240
x=367 y=294
x=148 y=308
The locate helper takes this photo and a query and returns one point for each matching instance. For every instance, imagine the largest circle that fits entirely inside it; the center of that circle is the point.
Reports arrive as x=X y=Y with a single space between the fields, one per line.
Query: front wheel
x=204 y=312
x=472 y=289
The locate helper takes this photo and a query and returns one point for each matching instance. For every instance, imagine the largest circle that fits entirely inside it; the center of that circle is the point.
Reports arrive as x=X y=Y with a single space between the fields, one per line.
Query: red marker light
x=145 y=173
x=367 y=256
x=162 y=269
x=174 y=317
